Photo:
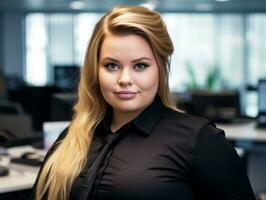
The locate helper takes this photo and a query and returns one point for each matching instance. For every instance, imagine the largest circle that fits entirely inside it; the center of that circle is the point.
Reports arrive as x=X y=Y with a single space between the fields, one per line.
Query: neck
x=121 y=118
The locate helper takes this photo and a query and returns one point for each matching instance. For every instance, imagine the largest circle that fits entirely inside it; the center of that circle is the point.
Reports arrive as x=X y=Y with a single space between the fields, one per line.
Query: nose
x=125 y=78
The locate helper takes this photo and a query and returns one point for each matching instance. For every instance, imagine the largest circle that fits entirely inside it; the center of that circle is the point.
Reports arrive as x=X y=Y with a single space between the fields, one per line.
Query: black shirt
x=162 y=154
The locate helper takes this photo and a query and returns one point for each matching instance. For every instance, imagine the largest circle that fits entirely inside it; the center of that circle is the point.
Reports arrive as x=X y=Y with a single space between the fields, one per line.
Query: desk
x=243 y=131
x=253 y=141
x=21 y=178
x=17 y=180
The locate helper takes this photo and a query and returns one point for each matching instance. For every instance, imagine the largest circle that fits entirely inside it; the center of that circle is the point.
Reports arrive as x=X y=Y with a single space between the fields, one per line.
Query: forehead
x=129 y=45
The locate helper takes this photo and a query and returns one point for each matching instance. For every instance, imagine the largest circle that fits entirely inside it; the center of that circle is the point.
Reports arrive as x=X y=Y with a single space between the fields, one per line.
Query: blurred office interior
x=218 y=63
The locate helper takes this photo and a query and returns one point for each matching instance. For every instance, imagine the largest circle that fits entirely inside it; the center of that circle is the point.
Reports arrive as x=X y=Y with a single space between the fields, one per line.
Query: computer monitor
x=36 y=101
x=66 y=77
x=51 y=131
x=262 y=96
x=261 y=120
x=221 y=106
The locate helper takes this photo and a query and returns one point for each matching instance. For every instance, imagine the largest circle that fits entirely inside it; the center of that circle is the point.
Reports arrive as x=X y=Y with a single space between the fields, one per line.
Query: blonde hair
x=69 y=158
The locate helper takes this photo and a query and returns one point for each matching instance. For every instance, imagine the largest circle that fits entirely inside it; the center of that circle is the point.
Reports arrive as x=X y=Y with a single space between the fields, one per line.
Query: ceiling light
x=222 y=0
x=76 y=5
x=150 y=6
x=203 y=7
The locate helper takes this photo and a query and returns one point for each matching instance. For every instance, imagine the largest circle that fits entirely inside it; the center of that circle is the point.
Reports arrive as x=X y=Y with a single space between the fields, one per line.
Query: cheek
x=105 y=80
x=150 y=81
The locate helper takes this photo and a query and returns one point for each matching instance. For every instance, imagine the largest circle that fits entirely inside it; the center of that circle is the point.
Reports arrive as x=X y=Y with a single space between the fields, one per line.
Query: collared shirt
x=162 y=154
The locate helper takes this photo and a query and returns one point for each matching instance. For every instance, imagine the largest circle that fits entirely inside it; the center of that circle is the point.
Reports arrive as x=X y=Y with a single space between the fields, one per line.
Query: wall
x=1 y=43
x=11 y=52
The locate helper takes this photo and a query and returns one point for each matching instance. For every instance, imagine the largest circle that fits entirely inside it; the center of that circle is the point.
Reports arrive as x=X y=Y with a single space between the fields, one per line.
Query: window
x=229 y=47
x=36 y=52
x=205 y=42
x=55 y=39
x=256 y=35
x=256 y=57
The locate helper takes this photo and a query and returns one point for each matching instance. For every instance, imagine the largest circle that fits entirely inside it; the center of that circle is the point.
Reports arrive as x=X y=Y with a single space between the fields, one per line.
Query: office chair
x=9 y=107
x=19 y=125
x=13 y=121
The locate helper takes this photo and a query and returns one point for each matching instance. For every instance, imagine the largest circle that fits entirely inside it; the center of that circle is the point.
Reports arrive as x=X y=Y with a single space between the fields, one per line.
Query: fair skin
x=128 y=76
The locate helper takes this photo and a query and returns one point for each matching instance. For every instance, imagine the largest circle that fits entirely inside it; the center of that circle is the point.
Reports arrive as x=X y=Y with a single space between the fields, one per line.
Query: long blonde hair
x=69 y=158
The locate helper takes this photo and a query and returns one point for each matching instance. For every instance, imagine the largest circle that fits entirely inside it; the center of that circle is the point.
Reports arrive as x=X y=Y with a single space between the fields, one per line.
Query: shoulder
x=188 y=136
x=184 y=130
x=184 y=118
x=188 y=124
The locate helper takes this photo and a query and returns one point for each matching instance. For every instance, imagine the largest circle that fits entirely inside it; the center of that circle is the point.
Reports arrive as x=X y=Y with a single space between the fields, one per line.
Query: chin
x=127 y=109
x=128 y=106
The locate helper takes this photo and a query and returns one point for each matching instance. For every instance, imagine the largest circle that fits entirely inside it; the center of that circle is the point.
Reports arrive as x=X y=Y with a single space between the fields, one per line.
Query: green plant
x=211 y=80
x=192 y=85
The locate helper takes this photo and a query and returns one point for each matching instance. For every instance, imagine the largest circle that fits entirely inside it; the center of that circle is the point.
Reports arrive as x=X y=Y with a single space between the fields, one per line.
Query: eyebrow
x=136 y=60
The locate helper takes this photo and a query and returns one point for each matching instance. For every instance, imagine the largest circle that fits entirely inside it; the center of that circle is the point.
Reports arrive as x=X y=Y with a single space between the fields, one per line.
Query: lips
x=126 y=95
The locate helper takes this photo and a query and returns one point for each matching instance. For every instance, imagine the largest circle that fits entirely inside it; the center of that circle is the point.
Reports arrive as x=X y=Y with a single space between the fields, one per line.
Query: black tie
x=93 y=171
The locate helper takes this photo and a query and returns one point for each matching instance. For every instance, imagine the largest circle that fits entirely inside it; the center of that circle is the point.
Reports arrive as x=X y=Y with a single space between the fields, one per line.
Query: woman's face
x=128 y=73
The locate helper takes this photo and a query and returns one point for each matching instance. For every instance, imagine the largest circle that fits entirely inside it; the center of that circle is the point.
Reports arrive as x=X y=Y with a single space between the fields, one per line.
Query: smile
x=126 y=95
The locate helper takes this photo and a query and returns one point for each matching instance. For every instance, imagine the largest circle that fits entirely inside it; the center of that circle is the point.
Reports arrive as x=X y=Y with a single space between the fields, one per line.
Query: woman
x=126 y=140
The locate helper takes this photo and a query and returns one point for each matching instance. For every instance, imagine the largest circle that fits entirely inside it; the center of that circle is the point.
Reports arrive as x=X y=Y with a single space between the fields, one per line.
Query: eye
x=111 y=66
x=140 y=66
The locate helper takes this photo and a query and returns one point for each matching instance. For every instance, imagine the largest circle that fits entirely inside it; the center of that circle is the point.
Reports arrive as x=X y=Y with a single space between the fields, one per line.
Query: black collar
x=145 y=121
x=148 y=119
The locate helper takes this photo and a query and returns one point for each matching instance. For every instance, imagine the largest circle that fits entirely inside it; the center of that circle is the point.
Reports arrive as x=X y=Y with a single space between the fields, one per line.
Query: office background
x=222 y=39
x=220 y=51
